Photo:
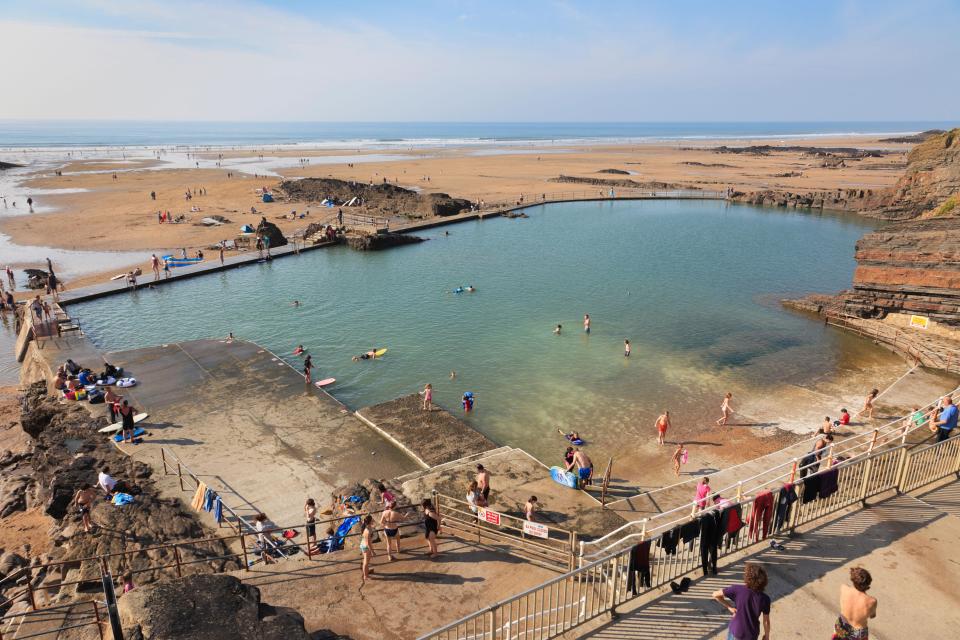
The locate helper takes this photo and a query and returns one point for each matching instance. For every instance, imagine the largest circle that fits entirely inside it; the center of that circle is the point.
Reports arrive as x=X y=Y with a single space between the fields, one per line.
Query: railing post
x=33 y=600
x=903 y=465
x=96 y=615
x=243 y=546
x=176 y=556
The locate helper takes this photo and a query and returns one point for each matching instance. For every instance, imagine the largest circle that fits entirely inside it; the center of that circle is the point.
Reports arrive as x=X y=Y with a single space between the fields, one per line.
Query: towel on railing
x=218 y=509
x=208 y=497
x=197 y=502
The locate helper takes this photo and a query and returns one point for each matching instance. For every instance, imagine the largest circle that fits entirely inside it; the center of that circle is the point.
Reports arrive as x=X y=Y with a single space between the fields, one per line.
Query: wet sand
x=119 y=215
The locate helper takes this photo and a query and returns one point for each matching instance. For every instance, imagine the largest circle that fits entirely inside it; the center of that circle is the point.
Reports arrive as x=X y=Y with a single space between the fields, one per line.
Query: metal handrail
x=567 y=601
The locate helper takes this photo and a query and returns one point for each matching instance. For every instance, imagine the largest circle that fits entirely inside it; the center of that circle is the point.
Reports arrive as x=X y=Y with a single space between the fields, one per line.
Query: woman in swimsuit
x=663 y=423
x=431 y=526
x=365 y=549
x=868 y=403
x=726 y=409
x=390 y=521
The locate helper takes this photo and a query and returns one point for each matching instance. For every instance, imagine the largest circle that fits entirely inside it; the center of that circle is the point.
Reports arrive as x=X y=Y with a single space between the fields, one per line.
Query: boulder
x=205 y=607
x=269 y=230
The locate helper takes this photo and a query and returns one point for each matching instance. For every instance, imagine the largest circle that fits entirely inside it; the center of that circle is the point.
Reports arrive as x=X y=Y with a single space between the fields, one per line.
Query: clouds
x=472 y=61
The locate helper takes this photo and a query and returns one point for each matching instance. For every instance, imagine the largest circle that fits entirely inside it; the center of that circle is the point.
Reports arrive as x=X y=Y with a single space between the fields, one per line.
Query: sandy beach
x=118 y=214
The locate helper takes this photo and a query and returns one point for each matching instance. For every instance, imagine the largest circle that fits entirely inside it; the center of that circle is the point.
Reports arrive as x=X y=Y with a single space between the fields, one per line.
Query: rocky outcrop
x=377 y=241
x=269 y=230
x=65 y=453
x=909 y=267
x=381 y=199
x=620 y=183
x=205 y=607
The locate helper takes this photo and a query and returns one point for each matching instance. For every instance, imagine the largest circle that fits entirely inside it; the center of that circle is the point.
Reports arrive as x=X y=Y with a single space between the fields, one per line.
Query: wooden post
x=96 y=615
x=243 y=545
x=176 y=556
x=33 y=600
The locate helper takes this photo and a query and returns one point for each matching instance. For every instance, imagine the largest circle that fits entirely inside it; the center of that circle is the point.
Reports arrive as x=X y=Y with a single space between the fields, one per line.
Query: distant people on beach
x=856 y=607
x=662 y=424
x=726 y=408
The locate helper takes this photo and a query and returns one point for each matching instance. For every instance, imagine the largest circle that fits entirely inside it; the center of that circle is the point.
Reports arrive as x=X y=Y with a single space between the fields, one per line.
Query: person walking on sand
x=748 y=604
x=726 y=409
x=662 y=424
x=84 y=501
x=366 y=549
x=856 y=607
x=431 y=526
x=155 y=265
x=679 y=457
x=586 y=323
x=427 y=394
x=483 y=483
x=390 y=520
x=868 y=403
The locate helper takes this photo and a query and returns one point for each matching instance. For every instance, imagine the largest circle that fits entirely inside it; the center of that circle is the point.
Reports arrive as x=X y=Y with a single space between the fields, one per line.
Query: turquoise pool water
x=693 y=285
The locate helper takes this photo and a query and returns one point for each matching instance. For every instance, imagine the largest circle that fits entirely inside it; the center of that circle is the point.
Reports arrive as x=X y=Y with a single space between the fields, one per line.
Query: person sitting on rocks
x=105 y=481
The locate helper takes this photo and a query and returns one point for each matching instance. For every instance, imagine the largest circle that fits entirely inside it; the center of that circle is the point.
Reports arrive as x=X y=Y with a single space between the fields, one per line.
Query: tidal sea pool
x=694 y=285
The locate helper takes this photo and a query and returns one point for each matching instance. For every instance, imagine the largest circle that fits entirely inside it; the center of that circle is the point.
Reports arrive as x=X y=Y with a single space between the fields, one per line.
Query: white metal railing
x=896 y=430
x=558 y=605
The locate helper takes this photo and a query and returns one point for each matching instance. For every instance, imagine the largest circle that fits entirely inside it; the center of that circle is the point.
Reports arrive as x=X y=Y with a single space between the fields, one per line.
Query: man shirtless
x=584 y=467
x=483 y=483
x=856 y=607
x=84 y=501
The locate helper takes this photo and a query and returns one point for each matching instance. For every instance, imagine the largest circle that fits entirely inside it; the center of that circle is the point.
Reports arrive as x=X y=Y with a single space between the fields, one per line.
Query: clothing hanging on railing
x=639 y=563
x=761 y=514
x=809 y=464
x=811 y=487
x=218 y=509
x=785 y=499
x=710 y=537
x=828 y=482
x=668 y=541
x=208 y=497
x=198 y=496
x=689 y=532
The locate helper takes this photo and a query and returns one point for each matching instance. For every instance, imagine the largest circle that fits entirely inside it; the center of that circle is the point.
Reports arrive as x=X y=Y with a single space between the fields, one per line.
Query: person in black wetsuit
x=431 y=526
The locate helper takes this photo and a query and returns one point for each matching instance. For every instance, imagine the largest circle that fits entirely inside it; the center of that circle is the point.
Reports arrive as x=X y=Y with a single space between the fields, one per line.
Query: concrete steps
x=483 y=455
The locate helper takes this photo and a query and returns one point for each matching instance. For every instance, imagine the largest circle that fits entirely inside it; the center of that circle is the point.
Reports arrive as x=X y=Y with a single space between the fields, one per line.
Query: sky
x=483 y=60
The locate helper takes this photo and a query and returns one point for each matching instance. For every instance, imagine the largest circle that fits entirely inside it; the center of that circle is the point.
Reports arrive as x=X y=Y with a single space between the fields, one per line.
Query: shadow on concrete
x=810 y=556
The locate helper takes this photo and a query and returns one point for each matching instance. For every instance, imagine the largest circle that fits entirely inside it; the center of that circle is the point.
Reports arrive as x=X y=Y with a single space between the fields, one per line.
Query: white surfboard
x=117 y=426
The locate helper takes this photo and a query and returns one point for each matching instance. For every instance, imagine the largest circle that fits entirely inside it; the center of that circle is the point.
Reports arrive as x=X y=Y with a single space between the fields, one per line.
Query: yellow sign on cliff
x=920 y=322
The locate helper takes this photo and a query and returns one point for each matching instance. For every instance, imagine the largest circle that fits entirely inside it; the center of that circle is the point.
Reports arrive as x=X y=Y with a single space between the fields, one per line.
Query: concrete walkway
x=246 y=423
x=908 y=543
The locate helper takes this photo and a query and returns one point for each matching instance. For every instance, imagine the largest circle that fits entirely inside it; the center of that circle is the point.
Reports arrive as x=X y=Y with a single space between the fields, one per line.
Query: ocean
x=18 y=134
